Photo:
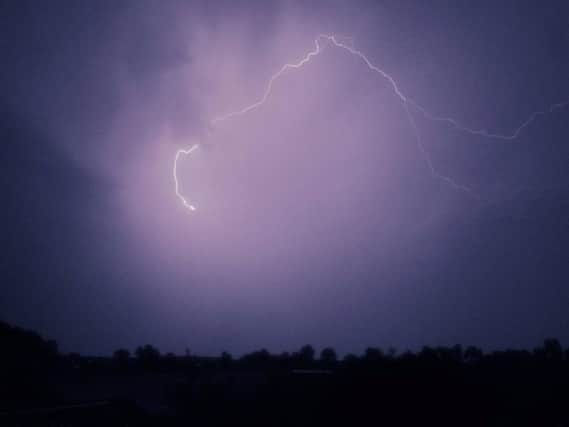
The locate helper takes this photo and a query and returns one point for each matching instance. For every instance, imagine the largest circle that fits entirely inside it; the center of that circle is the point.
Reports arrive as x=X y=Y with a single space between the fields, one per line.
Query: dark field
x=435 y=386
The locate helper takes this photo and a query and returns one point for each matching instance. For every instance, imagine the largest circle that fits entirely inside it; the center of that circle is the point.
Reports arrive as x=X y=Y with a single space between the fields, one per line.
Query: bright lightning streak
x=179 y=153
x=483 y=132
x=406 y=101
x=275 y=76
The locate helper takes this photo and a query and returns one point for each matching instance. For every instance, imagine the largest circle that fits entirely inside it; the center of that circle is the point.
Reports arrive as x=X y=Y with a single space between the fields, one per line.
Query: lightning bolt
x=483 y=132
x=180 y=153
x=407 y=103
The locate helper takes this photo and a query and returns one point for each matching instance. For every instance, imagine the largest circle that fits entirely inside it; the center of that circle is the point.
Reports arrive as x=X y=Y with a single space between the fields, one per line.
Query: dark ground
x=436 y=386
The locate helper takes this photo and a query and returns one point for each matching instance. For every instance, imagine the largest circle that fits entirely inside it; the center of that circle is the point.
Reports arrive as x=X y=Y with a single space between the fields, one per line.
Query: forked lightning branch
x=320 y=43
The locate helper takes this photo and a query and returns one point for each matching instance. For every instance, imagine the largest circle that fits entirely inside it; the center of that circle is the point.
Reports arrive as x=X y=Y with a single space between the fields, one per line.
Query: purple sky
x=318 y=218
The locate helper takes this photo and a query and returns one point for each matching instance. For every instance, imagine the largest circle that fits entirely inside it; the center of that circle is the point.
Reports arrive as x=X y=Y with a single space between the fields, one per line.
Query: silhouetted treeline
x=435 y=386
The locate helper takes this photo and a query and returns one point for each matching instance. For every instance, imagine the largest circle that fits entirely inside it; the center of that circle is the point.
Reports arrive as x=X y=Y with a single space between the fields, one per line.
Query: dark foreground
x=436 y=386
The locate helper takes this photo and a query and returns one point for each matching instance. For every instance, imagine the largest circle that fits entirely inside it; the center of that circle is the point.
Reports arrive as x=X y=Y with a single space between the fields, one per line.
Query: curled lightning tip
x=180 y=196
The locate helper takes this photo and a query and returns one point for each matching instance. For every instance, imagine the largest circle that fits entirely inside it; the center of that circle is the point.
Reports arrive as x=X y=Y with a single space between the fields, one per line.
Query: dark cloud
x=317 y=213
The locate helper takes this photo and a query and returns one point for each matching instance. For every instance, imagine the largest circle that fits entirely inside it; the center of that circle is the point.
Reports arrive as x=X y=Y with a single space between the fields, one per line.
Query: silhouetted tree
x=121 y=355
x=407 y=356
x=21 y=347
x=226 y=359
x=552 y=349
x=147 y=352
x=121 y=358
x=328 y=356
x=456 y=353
x=373 y=354
x=259 y=358
x=306 y=355
x=428 y=355
x=351 y=360
x=473 y=355
x=148 y=356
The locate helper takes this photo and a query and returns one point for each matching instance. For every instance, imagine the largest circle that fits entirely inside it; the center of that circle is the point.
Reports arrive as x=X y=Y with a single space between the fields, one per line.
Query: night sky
x=318 y=218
